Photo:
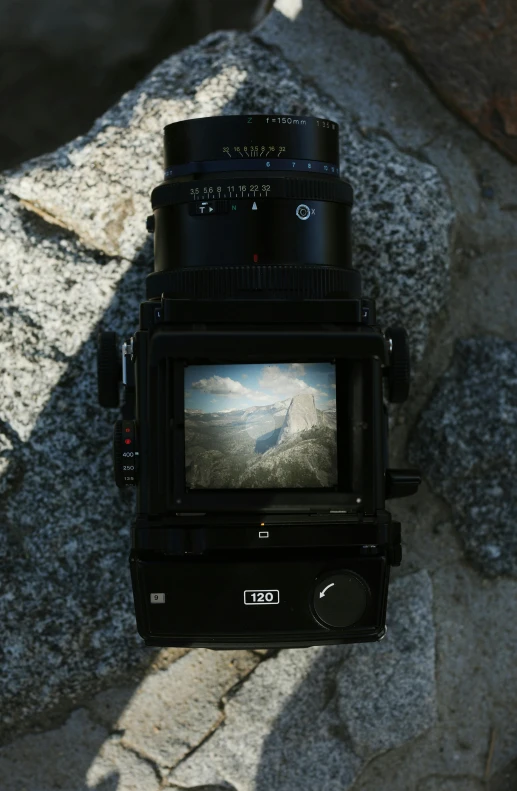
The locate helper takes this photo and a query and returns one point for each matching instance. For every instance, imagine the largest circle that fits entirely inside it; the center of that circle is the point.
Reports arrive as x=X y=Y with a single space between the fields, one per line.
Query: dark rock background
x=466 y=49
x=63 y=64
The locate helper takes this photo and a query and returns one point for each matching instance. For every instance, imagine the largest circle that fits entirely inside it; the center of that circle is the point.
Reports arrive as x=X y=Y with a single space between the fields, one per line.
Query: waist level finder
x=253 y=419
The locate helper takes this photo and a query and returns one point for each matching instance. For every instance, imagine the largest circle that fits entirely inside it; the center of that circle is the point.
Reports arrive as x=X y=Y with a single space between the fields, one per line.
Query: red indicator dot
x=255 y=257
x=128 y=430
x=127 y=441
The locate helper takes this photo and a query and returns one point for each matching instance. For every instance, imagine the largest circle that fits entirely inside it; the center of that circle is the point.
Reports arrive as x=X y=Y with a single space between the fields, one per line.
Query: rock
x=173 y=710
x=66 y=604
x=76 y=756
x=466 y=49
x=114 y=765
x=301 y=415
x=75 y=60
x=65 y=599
x=473 y=680
x=367 y=73
x=300 y=463
x=506 y=778
x=127 y=738
x=440 y=783
x=402 y=210
x=465 y=443
x=475 y=672
x=387 y=693
x=311 y=718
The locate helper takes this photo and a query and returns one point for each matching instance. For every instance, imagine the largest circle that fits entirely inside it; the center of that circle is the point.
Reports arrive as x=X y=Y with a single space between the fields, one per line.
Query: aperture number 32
x=262 y=597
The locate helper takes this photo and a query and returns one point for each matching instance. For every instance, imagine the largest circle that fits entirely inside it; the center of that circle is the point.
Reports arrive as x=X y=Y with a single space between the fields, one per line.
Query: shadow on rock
x=66 y=606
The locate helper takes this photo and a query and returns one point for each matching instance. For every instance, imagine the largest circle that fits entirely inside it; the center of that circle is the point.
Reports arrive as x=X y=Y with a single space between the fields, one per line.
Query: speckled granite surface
x=102 y=711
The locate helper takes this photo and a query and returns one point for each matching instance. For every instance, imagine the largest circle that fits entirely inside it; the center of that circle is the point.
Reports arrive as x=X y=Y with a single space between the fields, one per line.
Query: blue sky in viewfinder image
x=217 y=387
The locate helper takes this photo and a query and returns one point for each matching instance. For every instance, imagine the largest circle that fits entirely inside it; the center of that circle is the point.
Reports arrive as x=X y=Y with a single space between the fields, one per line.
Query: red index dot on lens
x=128 y=430
x=255 y=257
x=127 y=441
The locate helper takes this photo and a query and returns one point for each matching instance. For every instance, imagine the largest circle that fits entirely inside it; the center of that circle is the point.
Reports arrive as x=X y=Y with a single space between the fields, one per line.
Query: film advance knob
x=340 y=598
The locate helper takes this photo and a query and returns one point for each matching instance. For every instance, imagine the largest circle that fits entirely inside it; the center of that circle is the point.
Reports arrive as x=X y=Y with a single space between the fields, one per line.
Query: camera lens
x=253 y=207
x=224 y=143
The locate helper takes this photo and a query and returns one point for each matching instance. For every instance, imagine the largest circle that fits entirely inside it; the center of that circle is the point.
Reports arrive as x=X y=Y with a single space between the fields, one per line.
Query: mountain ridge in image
x=286 y=444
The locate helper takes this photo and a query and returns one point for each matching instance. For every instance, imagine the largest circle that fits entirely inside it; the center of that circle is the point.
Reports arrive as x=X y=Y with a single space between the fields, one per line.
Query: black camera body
x=263 y=523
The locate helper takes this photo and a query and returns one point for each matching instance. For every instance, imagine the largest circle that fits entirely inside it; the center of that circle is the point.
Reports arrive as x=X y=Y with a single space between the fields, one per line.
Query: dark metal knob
x=109 y=369
x=402 y=483
x=398 y=372
x=340 y=598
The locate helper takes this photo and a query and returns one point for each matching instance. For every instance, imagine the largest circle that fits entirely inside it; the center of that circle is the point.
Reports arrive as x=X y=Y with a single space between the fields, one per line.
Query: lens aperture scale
x=253 y=142
x=247 y=187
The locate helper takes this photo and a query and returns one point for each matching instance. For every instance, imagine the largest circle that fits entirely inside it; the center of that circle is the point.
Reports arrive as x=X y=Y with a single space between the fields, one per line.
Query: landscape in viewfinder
x=256 y=426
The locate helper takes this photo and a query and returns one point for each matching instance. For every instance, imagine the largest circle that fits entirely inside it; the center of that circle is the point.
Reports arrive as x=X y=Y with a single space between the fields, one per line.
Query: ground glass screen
x=256 y=426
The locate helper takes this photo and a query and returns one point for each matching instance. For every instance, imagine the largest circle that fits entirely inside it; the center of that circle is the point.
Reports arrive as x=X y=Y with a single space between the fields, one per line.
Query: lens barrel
x=223 y=143
x=253 y=207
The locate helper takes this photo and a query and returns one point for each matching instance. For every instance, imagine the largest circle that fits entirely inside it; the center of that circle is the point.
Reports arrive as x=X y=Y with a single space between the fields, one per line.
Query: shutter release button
x=340 y=598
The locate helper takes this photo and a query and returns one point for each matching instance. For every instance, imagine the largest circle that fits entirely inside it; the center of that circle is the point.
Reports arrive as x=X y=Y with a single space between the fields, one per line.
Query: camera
x=253 y=420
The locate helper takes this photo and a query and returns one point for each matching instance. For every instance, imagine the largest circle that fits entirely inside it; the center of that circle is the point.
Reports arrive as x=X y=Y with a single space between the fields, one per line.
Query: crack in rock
x=283 y=730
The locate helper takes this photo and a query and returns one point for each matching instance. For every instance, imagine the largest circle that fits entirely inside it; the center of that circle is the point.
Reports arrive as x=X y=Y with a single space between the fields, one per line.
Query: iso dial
x=125 y=453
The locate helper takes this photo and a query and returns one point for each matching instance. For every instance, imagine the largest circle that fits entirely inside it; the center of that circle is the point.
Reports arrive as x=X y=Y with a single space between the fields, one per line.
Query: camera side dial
x=125 y=453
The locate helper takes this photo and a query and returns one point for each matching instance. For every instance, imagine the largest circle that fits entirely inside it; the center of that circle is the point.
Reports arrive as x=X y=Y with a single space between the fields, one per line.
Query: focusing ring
x=227 y=282
x=168 y=194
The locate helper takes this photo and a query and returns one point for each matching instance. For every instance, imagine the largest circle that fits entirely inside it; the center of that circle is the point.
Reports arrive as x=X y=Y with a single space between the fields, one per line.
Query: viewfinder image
x=256 y=426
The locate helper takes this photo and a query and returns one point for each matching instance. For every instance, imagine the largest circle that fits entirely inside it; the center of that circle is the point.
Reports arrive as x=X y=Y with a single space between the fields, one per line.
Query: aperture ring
x=252 y=188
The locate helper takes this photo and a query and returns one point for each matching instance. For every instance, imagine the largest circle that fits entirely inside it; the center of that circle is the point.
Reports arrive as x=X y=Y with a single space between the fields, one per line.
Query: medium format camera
x=253 y=422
